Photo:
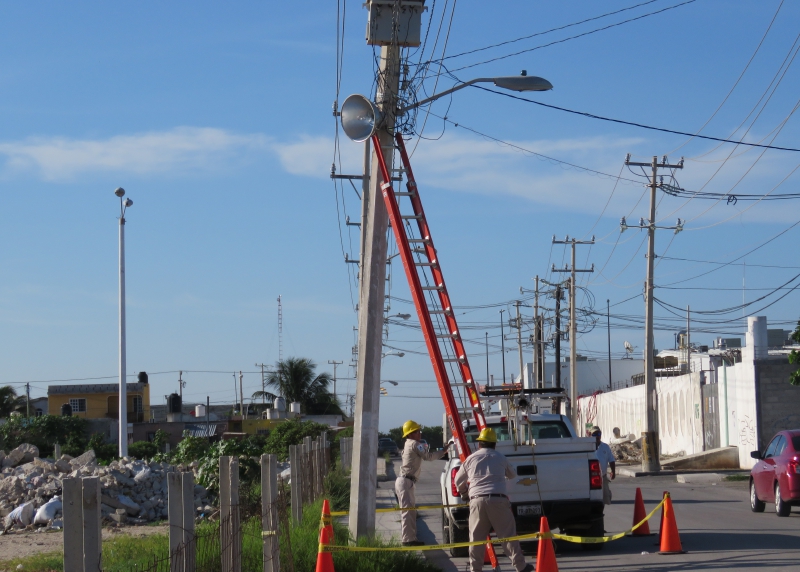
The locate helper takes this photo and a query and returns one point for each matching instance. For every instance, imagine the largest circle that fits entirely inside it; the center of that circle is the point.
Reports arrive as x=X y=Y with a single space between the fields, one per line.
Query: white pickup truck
x=558 y=477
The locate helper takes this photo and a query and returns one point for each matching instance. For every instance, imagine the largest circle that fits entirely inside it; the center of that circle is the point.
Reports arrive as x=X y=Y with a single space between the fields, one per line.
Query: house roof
x=94 y=388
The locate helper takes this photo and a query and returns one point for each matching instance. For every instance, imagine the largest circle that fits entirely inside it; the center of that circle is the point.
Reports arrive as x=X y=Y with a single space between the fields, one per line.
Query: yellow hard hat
x=487 y=435
x=409 y=427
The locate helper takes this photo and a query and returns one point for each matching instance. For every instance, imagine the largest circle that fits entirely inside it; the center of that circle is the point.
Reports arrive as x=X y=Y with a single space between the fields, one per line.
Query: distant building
x=100 y=400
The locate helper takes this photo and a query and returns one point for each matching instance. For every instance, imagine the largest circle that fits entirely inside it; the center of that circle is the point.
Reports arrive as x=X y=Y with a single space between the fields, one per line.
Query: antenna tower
x=280 y=329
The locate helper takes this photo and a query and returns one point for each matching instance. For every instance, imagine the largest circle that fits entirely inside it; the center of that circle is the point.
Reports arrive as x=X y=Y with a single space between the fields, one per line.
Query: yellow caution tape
x=269 y=533
x=399 y=509
x=520 y=537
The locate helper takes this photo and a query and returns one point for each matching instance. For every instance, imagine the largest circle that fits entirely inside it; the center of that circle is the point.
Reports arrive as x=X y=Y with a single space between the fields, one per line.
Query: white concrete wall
x=681 y=426
x=737 y=409
x=592 y=375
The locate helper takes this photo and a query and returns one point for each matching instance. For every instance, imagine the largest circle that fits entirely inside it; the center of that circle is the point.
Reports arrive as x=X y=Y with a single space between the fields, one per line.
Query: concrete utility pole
x=537 y=339
x=241 y=397
x=573 y=330
x=263 y=383
x=503 y=346
x=28 y=400
x=373 y=272
x=334 y=363
x=557 y=343
x=519 y=341
x=650 y=454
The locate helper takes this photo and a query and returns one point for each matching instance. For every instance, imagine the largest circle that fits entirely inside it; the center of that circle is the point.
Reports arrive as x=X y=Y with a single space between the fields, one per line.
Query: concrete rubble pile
x=627 y=449
x=131 y=490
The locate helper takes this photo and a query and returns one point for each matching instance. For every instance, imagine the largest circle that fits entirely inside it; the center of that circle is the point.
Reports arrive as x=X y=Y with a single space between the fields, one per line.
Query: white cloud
x=479 y=166
x=179 y=149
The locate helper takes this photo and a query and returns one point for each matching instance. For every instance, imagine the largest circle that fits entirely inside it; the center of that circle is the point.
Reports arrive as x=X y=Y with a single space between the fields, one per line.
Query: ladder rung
x=446 y=312
x=403 y=194
x=418 y=240
x=426 y=264
x=454 y=360
x=407 y=217
x=434 y=288
x=446 y=335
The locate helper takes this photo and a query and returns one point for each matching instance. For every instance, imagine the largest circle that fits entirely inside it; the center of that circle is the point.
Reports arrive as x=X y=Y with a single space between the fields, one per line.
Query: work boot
x=528 y=568
x=414 y=543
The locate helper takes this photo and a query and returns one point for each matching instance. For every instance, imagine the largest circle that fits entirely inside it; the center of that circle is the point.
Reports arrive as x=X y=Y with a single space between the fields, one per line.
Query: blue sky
x=217 y=120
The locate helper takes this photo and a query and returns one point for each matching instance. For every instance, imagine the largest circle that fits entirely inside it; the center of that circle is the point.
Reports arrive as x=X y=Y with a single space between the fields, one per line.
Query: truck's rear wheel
x=596 y=529
x=458 y=535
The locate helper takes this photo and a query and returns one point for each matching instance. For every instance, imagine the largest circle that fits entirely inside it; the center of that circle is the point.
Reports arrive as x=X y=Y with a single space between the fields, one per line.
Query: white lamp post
x=123 y=393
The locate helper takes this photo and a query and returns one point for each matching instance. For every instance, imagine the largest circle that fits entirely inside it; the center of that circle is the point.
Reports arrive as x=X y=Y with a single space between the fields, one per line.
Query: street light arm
x=522 y=82
x=445 y=92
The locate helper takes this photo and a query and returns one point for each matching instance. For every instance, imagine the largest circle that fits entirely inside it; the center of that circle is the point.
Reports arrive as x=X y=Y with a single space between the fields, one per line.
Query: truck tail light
x=453 y=473
x=595 y=476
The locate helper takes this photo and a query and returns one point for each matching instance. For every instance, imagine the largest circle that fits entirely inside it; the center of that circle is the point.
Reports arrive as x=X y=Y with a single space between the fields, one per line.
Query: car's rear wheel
x=782 y=508
x=755 y=504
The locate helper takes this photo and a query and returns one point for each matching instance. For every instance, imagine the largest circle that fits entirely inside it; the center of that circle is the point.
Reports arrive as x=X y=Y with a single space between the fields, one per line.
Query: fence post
x=72 y=500
x=295 y=454
x=91 y=524
x=236 y=529
x=320 y=465
x=308 y=470
x=189 y=546
x=175 y=515
x=225 y=513
x=269 y=513
x=57 y=452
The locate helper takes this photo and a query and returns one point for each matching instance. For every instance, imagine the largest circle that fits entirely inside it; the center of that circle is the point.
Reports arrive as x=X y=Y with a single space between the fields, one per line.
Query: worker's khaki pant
x=486 y=513
x=408 y=518
x=606 y=490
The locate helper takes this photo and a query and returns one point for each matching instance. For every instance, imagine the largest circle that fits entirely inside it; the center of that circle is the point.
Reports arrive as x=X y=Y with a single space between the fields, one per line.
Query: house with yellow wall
x=100 y=400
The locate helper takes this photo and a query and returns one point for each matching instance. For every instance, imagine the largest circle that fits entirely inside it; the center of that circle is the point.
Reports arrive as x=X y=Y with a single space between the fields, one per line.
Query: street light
x=361 y=116
x=401 y=316
x=392 y=353
x=390 y=381
x=123 y=394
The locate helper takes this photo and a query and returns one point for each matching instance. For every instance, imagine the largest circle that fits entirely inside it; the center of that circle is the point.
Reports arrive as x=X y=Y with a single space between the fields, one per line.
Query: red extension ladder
x=434 y=308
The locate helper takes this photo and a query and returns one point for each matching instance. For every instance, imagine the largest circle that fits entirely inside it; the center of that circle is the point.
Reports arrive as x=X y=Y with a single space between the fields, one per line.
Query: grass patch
x=127 y=553
x=735 y=478
x=305 y=541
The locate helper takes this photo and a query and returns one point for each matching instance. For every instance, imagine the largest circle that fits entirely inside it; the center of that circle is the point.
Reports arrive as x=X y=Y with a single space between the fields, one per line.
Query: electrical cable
x=583 y=34
x=631 y=123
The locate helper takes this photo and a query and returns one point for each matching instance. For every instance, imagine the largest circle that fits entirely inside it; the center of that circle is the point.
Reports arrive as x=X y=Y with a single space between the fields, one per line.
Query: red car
x=776 y=475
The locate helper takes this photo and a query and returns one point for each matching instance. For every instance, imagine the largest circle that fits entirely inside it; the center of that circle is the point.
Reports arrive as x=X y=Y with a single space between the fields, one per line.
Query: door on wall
x=710 y=394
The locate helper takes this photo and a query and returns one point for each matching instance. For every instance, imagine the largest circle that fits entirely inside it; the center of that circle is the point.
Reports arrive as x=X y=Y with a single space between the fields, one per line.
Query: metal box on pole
x=394 y=23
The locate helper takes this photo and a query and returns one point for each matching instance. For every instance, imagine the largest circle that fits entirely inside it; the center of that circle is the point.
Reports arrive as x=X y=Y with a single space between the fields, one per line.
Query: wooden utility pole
x=573 y=330
x=334 y=363
x=650 y=455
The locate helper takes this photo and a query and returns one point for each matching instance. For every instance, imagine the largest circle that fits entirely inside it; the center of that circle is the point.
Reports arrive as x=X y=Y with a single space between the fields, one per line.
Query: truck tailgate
x=560 y=468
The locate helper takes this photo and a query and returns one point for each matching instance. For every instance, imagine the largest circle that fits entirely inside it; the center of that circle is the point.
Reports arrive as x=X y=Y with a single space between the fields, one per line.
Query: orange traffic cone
x=639 y=513
x=325 y=559
x=546 y=555
x=670 y=539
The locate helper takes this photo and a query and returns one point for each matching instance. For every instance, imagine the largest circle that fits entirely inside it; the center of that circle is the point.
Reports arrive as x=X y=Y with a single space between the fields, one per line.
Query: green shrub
x=45 y=432
x=142 y=449
x=291 y=432
x=105 y=452
x=337 y=489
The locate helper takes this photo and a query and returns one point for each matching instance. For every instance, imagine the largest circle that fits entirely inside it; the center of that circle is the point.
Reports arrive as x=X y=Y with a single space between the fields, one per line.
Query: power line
x=559 y=28
x=633 y=124
x=590 y=32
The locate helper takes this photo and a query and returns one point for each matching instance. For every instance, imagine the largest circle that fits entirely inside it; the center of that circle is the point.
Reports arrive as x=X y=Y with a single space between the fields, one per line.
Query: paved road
x=715 y=523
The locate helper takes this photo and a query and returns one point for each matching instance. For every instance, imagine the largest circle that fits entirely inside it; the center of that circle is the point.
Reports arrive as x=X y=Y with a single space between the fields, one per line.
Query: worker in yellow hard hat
x=482 y=479
x=414 y=453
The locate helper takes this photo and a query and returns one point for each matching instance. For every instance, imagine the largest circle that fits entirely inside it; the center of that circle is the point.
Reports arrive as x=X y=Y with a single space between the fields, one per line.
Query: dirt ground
x=24 y=543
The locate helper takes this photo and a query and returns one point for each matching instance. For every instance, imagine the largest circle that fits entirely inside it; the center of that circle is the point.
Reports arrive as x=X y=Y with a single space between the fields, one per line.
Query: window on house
x=137 y=404
x=78 y=405
x=39 y=413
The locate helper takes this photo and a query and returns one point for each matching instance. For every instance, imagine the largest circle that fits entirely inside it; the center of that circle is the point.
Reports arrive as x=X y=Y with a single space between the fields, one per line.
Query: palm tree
x=295 y=380
x=10 y=401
